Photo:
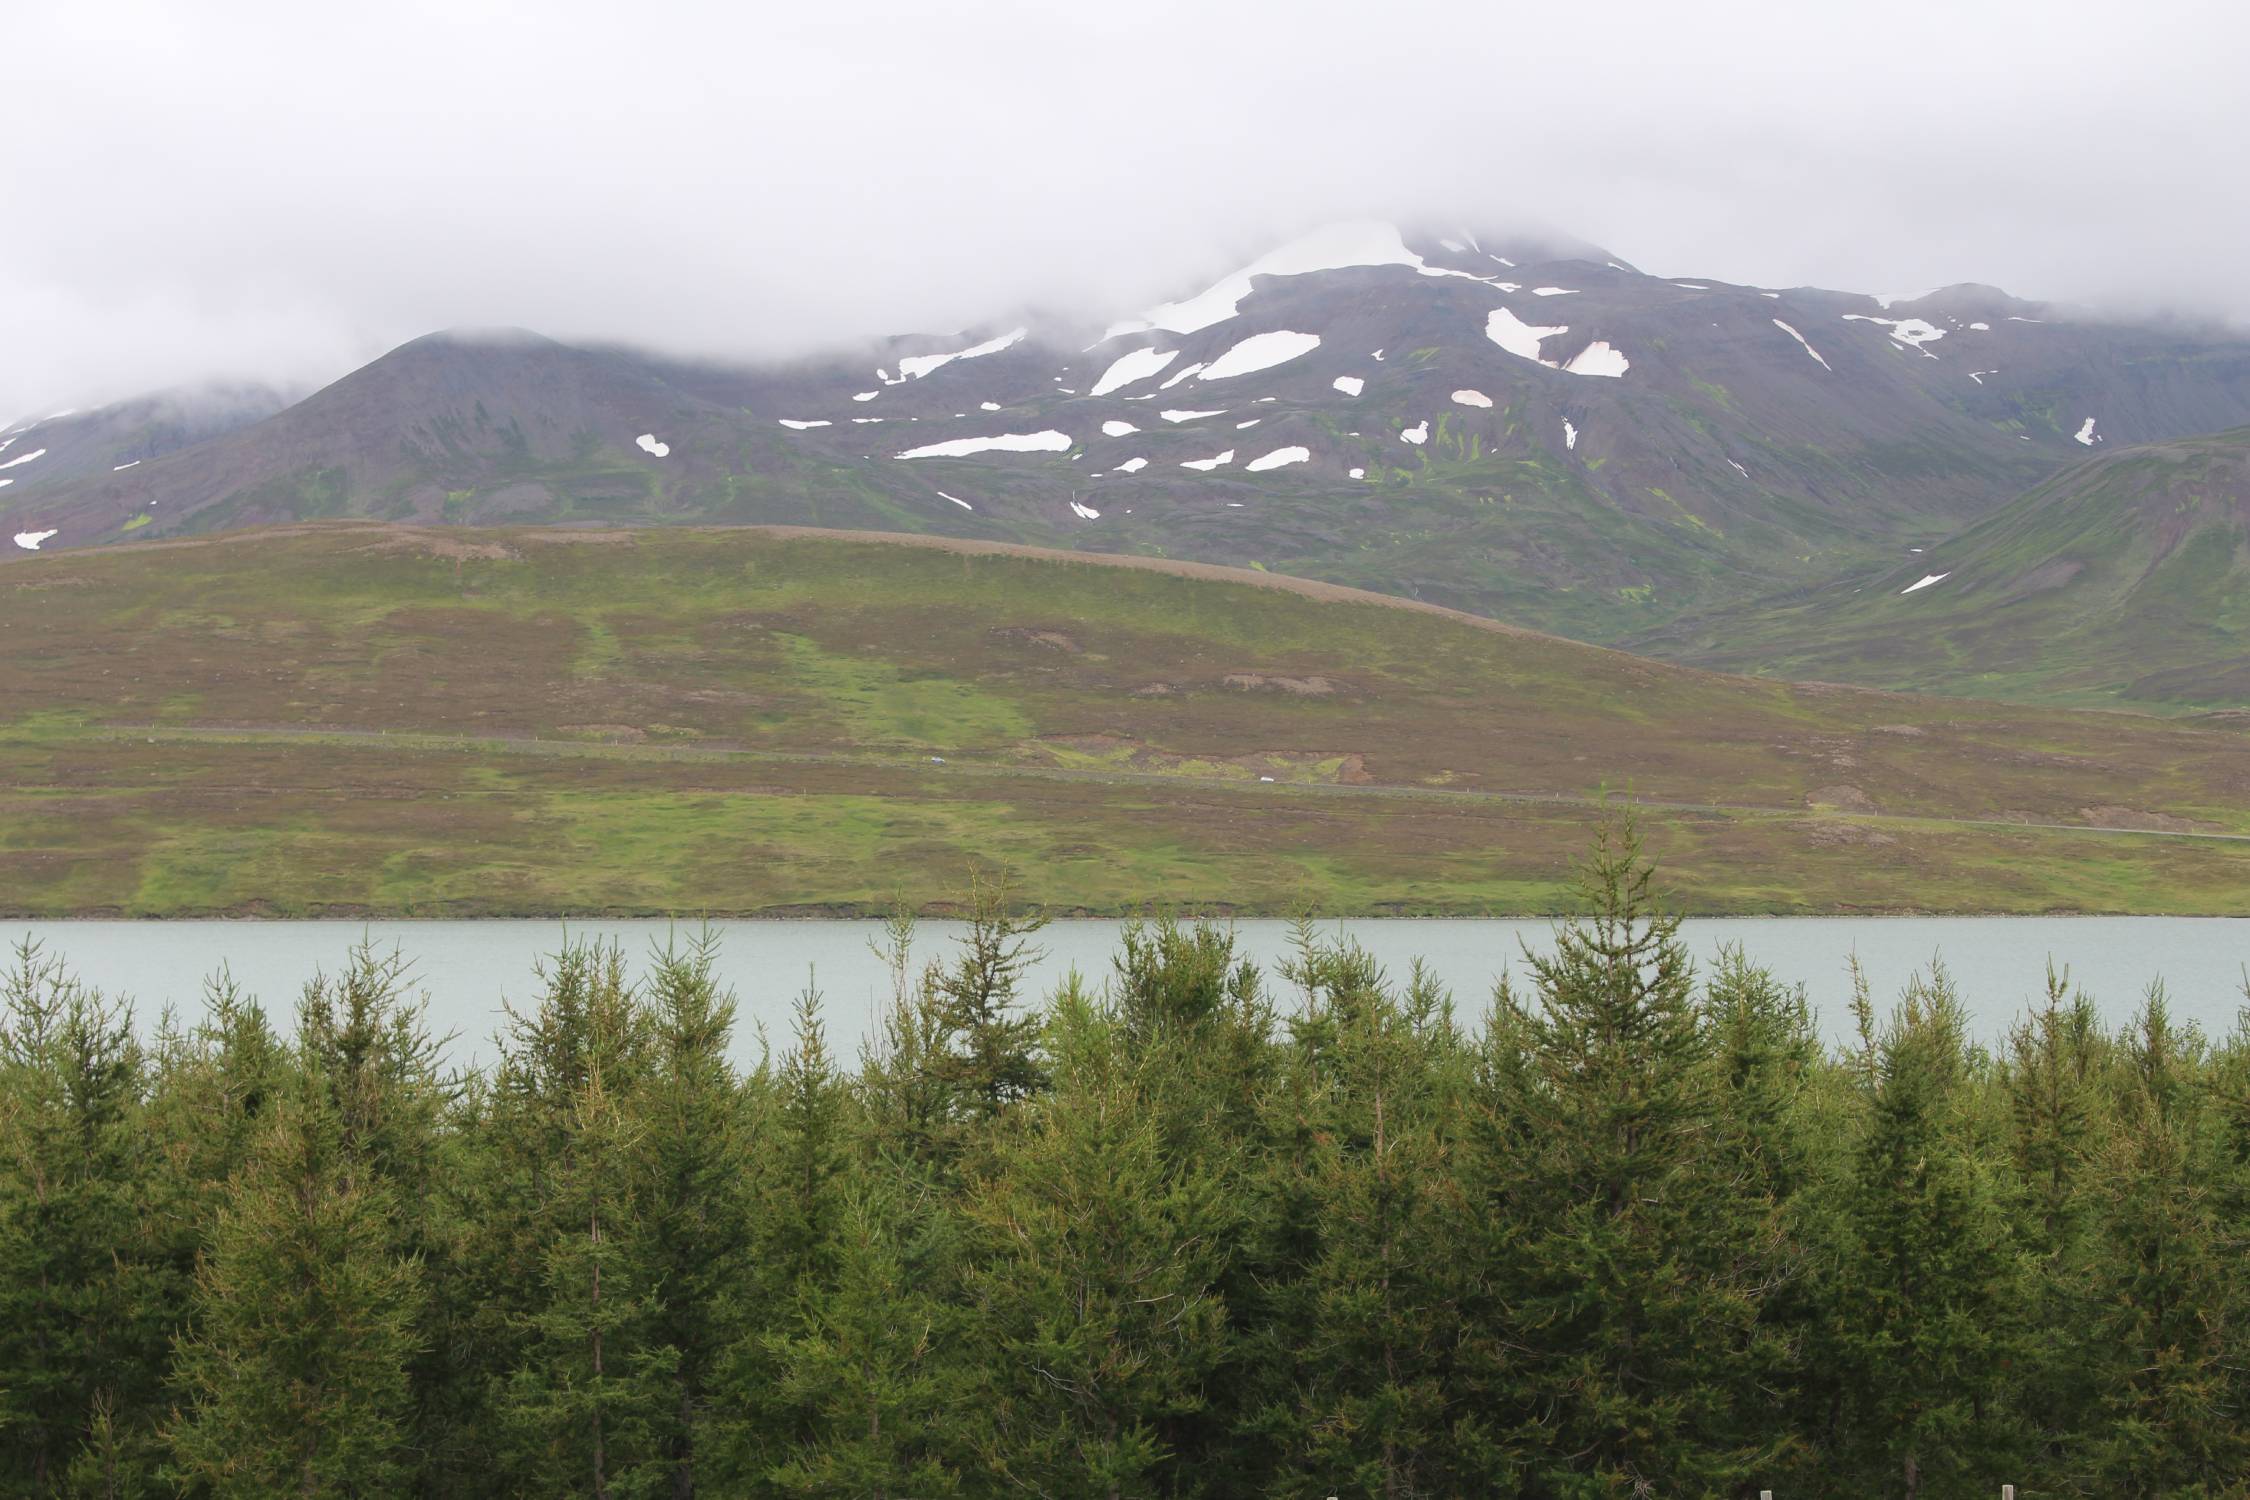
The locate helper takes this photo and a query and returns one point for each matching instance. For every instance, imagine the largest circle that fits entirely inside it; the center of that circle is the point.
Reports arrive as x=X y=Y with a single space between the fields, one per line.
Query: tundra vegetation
x=1184 y=1228
x=351 y=719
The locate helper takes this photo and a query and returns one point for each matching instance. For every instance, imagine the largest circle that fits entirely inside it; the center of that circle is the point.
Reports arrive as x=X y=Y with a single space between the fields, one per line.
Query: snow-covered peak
x=1332 y=247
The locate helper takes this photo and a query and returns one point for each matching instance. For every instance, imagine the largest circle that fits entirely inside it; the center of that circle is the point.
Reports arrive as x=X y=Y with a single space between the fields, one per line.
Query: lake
x=467 y=968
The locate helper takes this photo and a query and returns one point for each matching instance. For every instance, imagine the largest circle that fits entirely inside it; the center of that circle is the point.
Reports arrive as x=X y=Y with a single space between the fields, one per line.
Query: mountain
x=1531 y=430
x=2124 y=580
x=350 y=717
x=44 y=453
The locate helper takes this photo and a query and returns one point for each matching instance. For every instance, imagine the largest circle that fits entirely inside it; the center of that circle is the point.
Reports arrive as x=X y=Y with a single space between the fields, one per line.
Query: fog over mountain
x=280 y=191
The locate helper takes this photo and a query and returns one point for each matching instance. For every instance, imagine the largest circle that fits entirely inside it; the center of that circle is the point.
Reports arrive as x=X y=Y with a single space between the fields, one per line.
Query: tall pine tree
x=81 y=1344
x=1642 y=1279
x=2167 y=1307
x=295 y=1377
x=1924 y=1278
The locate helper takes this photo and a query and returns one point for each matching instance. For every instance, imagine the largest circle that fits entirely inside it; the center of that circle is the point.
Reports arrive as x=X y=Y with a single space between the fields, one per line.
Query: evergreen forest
x=1626 y=1227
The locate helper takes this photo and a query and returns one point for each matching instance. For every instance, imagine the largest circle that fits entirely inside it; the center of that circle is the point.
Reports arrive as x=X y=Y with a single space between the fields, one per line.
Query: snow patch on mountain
x=1277 y=458
x=1179 y=375
x=1554 y=291
x=1261 y=351
x=1132 y=466
x=1912 y=332
x=1049 y=441
x=1190 y=416
x=1418 y=434
x=957 y=500
x=1350 y=385
x=23 y=458
x=1800 y=338
x=1333 y=247
x=30 y=540
x=1136 y=364
x=2084 y=434
x=1516 y=336
x=1569 y=434
x=1927 y=580
x=648 y=444
x=915 y=366
x=1208 y=464
x=1472 y=398
x=988 y=406
x=1115 y=428
x=1599 y=358
x=801 y=425
x=1085 y=512
x=121 y=468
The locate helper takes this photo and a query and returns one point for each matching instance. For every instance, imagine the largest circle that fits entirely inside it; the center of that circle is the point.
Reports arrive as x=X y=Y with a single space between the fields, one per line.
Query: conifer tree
x=584 y=1407
x=81 y=1346
x=2056 y=1118
x=799 y=1192
x=1379 y=1301
x=695 y=1143
x=2166 y=1309
x=295 y=1377
x=572 y=1379
x=364 y=1033
x=1917 y=1324
x=904 y=1100
x=864 y=1356
x=1646 y=1264
x=212 y=1092
x=991 y=1056
x=871 y=1360
x=1758 y=1167
x=1092 y=1283
x=1194 y=1017
x=367 y=1039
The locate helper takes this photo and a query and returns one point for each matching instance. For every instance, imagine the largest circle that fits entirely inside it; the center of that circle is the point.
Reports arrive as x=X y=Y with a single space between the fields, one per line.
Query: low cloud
x=283 y=191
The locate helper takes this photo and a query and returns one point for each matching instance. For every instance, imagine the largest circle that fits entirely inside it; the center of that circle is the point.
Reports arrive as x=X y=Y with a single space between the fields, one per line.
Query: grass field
x=361 y=718
x=2124 y=582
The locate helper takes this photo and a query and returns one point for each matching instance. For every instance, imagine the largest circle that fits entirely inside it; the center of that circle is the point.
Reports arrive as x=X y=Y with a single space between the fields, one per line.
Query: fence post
x=2007 y=1492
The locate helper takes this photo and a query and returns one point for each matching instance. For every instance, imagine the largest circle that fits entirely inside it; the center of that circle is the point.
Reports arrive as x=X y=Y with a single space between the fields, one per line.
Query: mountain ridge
x=1569 y=445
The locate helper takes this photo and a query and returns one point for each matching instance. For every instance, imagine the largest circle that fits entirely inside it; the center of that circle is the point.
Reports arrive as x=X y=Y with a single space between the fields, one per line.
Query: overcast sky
x=286 y=189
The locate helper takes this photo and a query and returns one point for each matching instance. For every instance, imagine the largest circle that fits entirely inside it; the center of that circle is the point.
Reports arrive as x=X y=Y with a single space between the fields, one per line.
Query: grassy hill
x=2123 y=581
x=355 y=718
